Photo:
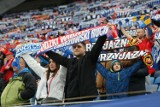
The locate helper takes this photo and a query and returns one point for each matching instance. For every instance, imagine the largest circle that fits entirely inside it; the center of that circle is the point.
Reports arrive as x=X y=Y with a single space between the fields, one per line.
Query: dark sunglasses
x=78 y=46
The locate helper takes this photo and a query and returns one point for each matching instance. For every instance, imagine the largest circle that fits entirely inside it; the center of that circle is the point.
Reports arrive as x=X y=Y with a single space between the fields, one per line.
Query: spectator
x=80 y=80
x=21 y=87
x=144 y=43
x=2 y=82
x=137 y=82
x=138 y=79
x=6 y=70
x=117 y=78
x=51 y=85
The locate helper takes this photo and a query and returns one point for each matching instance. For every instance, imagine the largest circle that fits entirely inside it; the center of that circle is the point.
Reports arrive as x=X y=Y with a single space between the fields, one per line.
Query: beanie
x=112 y=63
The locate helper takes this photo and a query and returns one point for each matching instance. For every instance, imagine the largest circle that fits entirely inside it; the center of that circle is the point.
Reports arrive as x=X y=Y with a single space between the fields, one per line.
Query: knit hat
x=113 y=62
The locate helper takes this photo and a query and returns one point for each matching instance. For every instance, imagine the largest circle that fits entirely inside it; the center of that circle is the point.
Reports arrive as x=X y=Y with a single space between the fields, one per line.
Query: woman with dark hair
x=51 y=85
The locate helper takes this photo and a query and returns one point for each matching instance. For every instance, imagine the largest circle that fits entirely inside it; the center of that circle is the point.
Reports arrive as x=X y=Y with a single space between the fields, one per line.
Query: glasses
x=78 y=46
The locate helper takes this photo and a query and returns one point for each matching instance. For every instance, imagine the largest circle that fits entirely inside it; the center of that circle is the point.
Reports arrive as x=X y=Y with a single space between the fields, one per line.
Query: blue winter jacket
x=118 y=82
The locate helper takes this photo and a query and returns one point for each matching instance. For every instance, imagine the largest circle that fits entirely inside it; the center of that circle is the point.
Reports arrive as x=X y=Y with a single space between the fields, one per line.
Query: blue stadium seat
x=152 y=80
x=157 y=74
x=151 y=88
x=158 y=89
x=157 y=81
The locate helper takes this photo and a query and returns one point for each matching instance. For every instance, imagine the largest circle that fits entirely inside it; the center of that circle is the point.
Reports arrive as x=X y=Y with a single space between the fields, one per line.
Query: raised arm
x=58 y=58
x=100 y=68
x=143 y=71
x=125 y=33
x=97 y=48
x=134 y=68
x=34 y=65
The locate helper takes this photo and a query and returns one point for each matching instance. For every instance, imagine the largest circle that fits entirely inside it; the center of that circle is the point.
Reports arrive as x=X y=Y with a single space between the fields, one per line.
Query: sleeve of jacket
x=143 y=71
x=103 y=71
x=41 y=85
x=134 y=68
x=34 y=65
x=58 y=58
x=63 y=73
x=30 y=86
x=97 y=48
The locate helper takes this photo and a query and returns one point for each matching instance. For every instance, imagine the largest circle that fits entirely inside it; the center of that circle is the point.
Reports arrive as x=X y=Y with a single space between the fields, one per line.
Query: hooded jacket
x=20 y=88
x=118 y=82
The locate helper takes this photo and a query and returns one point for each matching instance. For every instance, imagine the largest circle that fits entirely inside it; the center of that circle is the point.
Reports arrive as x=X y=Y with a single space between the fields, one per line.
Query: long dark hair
x=49 y=70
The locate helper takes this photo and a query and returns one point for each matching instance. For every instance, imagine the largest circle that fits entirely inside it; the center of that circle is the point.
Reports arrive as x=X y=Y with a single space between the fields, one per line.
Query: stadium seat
x=157 y=74
x=151 y=88
x=158 y=89
x=157 y=81
x=152 y=80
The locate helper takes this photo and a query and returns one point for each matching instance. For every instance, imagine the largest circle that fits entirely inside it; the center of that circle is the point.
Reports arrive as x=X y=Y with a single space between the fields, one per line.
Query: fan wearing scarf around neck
x=117 y=78
x=21 y=87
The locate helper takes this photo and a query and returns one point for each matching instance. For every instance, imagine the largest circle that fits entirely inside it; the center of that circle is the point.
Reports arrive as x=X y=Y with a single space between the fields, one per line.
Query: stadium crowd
x=70 y=73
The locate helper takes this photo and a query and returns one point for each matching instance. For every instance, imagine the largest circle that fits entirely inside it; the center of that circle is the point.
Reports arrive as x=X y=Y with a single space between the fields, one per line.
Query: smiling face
x=78 y=50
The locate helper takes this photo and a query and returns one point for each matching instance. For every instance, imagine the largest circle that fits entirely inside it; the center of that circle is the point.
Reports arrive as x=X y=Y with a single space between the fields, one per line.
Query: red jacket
x=7 y=70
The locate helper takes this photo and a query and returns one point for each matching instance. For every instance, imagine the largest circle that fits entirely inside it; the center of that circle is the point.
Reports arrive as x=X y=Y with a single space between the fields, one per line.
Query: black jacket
x=30 y=86
x=137 y=80
x=80 y=79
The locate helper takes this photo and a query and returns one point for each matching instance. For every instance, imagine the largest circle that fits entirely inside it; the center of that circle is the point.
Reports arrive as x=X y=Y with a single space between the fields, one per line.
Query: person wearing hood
x=21 y=87
x=117 y=78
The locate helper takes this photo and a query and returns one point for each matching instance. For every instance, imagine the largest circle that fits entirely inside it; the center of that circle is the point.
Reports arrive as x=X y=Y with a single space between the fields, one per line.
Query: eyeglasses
x=78 y=46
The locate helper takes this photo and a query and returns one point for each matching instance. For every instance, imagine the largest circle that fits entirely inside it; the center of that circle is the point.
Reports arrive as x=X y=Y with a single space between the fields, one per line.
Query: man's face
x=78 y=50
x=140 y=33
x=116 y=66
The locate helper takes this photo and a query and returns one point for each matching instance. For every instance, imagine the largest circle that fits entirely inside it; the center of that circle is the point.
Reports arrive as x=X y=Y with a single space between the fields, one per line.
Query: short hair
x=83 y=43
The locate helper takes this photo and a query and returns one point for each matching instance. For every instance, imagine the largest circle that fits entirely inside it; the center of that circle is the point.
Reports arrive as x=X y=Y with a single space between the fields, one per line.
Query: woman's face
x=52 y=65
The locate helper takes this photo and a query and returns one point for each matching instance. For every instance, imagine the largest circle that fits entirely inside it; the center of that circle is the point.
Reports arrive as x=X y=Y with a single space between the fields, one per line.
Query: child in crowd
x=117 y=78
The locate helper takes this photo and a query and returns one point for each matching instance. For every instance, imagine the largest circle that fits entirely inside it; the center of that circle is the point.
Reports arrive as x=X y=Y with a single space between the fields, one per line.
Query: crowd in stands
x=70 y=73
